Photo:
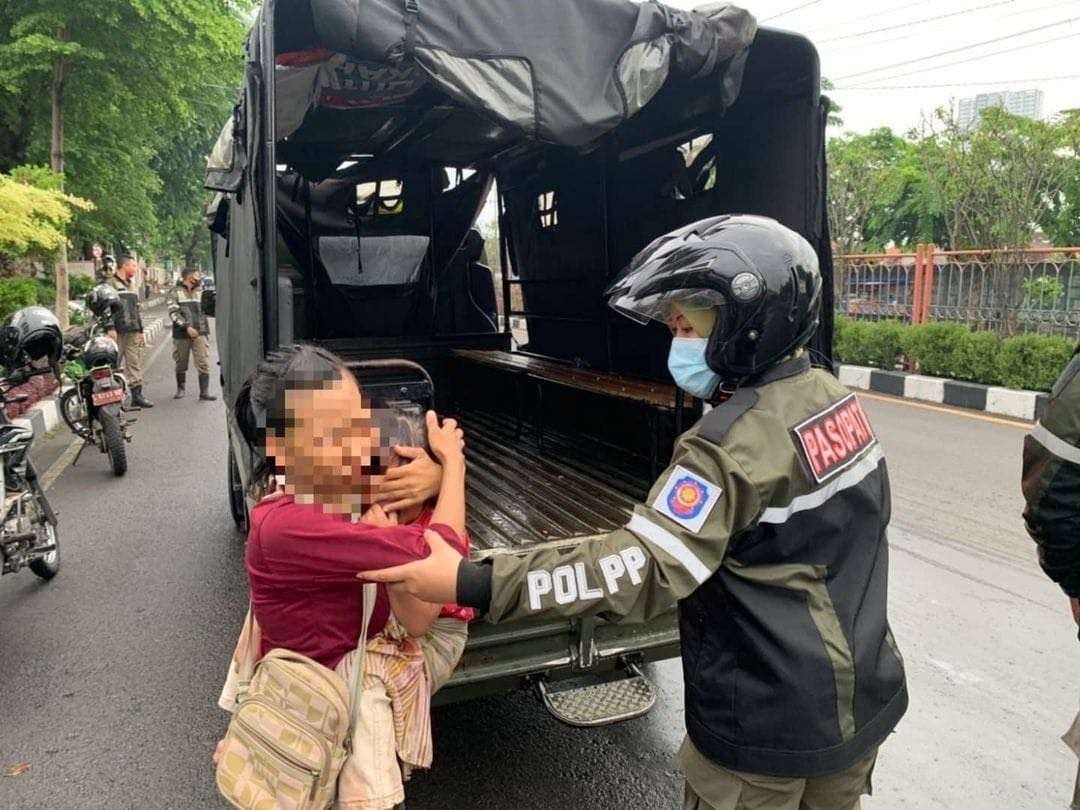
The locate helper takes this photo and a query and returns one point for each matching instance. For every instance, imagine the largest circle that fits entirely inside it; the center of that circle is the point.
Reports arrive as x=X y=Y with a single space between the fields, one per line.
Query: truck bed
x=518 y=496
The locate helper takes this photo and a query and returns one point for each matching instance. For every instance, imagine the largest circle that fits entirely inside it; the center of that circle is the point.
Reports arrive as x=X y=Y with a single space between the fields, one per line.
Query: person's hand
x=378 y=516
x=1075 y=602
x=112 y=333
x=192 y=332
x=447 y=441
x=411 y=483
x=432 y=579
x=219 y=749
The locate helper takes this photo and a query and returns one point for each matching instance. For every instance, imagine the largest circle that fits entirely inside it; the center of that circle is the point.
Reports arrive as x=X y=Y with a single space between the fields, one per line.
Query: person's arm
x=176 y=312
x=673 y=543
x=1051 y=485
x=447 y=443
x=416 y=616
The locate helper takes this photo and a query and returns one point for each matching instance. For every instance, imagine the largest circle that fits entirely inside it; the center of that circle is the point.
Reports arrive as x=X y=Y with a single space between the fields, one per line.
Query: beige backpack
x=290 y=734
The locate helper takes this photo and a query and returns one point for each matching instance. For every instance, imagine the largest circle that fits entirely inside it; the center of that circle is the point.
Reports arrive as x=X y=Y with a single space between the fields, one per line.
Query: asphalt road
x=109 y=674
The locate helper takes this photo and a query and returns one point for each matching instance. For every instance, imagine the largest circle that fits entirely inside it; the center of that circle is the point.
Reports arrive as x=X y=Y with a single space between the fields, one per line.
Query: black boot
x=180 y=378
x=138 y=400
x=204 y=388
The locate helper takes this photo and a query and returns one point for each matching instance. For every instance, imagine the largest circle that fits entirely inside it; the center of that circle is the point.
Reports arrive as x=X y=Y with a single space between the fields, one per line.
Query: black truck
x=372 y=144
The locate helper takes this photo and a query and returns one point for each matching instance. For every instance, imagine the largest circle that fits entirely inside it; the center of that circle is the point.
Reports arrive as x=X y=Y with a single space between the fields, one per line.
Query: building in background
x=1028 y=103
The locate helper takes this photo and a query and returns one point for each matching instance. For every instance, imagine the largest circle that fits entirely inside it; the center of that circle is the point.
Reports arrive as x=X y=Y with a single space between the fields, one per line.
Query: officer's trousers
x=133 y=350
x=733 y=790
x=183 y=348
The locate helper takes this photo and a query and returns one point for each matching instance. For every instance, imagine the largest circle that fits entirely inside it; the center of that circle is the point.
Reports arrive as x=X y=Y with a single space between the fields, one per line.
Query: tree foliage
x=138 y=75
x=34 y=212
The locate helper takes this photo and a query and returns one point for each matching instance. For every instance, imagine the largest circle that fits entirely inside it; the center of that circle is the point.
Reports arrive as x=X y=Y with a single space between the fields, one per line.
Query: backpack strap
x=356 y=684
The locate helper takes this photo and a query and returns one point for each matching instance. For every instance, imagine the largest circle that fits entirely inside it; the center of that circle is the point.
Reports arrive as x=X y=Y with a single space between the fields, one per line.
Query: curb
x=44 y=415
x=1026 y=405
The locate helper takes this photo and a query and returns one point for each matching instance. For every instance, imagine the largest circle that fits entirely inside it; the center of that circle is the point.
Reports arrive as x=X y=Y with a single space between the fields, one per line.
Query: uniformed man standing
x=768 y=531
x=190 y=332
x=127 y=328
x=1051 y=486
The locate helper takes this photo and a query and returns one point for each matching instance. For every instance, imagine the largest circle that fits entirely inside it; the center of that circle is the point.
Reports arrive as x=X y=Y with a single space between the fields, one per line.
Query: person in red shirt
x=320 y=526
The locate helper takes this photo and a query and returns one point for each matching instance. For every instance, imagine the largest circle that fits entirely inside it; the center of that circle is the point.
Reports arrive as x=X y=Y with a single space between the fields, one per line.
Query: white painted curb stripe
x=930 y=389
x=856 y=377
x=662 y=538
x=1055 y=444
x=1007 y=402
x=812 y=500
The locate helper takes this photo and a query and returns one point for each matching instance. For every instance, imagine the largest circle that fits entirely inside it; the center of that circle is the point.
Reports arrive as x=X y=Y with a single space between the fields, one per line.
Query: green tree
x=34 y=213
x=879 y=193
x=1061 y=219
x=105 y=85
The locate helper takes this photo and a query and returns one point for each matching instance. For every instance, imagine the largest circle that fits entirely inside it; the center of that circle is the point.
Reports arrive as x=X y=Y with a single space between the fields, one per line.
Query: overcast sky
x=873 y=94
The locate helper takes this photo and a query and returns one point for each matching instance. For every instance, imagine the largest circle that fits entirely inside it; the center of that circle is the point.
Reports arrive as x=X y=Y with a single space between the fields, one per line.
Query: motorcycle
x=96 y=405
x=28 y=535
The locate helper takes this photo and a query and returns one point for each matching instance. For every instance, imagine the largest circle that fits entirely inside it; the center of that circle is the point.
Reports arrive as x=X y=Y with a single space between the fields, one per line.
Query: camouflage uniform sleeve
x=1051 y=483
x=176 y=312
x=670 y=546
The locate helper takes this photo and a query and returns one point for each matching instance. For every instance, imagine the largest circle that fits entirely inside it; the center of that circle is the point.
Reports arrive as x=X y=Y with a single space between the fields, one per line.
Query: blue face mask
x=686 y=362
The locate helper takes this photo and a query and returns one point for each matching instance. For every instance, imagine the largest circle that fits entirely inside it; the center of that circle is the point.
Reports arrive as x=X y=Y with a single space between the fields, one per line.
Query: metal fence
x=1034 y=291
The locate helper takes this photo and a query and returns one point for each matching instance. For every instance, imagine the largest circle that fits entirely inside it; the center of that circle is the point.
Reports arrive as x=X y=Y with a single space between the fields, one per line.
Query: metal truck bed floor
x=518 y=497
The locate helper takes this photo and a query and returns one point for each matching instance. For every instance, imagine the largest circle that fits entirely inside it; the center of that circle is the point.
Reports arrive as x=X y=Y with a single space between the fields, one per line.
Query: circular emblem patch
x=745 y=287
x=687 y=498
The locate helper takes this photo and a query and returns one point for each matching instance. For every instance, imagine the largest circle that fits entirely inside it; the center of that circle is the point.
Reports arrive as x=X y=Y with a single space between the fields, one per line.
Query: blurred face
x=680 y=327
x=329 y=444
x=193 y=280
x=127 y=269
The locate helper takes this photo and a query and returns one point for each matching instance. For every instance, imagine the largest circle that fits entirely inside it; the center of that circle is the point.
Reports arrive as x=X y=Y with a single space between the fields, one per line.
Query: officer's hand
x=432 y=579
x=192 y=332
x=411 y=483
x=112 y=333
x=1075 y=602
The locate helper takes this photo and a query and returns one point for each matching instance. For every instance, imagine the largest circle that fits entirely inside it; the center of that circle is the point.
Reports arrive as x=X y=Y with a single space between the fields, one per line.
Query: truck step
x=602 y=703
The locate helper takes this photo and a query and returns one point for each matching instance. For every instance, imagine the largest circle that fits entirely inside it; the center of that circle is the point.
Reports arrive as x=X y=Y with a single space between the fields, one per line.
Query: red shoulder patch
x=832 y=439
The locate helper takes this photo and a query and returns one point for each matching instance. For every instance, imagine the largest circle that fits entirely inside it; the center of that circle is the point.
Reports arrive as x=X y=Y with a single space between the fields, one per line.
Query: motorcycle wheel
x=237 y=502
x=74 y=413
x=114 y=442
x=48 y=566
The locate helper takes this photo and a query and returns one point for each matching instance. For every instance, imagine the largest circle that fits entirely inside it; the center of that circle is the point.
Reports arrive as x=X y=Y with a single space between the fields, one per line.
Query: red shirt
x=302 y=566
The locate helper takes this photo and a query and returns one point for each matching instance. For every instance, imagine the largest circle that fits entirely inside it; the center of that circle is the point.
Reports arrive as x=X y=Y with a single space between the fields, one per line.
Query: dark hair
x=260 y=404
x=187 y=271
x=127 y=257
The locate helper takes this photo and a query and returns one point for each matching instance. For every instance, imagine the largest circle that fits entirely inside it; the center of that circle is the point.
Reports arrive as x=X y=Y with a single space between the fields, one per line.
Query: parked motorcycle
x=30 y=344
x=95 y=407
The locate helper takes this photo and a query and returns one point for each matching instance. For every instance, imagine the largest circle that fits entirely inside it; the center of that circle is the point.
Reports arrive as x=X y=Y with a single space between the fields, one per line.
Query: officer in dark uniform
x=190 y=332
x=1051 y=486
x=127 y=327
x=768 y=531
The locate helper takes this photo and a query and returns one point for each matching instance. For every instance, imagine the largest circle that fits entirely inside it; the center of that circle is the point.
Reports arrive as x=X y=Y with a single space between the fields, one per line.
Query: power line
x=965 y=61
x=881 y=13
x=918 y=22
x=793 y=10
x=962 y=84
x=1039 y=8
x=962 y=48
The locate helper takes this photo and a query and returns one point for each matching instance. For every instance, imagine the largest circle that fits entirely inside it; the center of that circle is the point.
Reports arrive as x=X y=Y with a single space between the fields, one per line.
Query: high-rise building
x=1028 y=103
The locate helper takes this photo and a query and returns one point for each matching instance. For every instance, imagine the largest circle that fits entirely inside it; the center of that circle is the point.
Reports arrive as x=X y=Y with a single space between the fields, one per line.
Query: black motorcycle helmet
x=102 y=300
x=101 y=351
x=31 y=336
x=761 y=277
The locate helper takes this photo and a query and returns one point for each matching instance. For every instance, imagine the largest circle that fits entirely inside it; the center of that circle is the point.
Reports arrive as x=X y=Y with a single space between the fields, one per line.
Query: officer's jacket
x=1051 y=482
x=126 y=318
x=185 y=309
x=768 y=531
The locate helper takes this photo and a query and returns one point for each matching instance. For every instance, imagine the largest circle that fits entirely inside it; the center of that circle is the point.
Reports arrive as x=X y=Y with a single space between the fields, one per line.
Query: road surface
x=109 y=674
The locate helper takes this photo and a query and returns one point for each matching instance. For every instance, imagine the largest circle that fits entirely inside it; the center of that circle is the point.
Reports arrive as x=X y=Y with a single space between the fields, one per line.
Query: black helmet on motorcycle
x=102 y=300
x=31 y=336
x=761 y=278
x=101 y=351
